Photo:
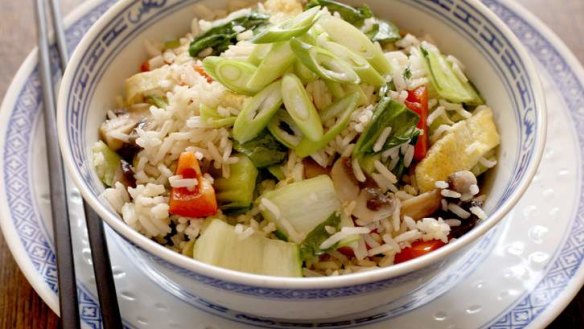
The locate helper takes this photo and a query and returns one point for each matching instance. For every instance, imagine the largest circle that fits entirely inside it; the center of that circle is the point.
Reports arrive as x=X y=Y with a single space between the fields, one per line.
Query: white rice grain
x=441 y=184
x=382 y=169
x=410 y=222
x=382 y=249
x=178 y=181
x=453 y=222
x=487 y=163
x=246 y=234
x=474 y=189
x=477 y=211
x=381 y=139
x=408 y=236
x=409 y=156
x=384 y=183
x=450 y=194
x=271 y=207
x=458 y=211
x=357 y=170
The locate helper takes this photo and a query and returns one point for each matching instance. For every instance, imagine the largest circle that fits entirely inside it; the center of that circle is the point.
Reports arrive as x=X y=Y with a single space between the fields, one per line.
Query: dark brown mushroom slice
x=123 y=123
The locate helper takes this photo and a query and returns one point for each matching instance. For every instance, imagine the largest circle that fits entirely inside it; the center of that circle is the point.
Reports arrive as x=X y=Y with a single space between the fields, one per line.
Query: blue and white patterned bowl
x=495 y=61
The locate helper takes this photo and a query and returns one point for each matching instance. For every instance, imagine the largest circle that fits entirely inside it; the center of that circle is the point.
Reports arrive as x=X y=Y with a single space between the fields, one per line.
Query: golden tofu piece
x=460 y=149
x=148 y=83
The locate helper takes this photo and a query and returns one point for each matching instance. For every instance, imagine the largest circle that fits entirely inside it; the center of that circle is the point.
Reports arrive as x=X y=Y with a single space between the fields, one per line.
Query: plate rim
x=576 y=282
x=24 y=72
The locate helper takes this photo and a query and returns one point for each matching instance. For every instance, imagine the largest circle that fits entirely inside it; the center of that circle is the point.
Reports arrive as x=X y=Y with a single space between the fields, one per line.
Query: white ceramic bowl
x=495 y=60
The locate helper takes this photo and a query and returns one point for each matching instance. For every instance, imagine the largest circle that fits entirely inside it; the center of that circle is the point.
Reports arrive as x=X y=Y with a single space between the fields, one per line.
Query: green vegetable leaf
x=237 y=191
x=221 y=37
x=264 y=150
x=310 y=247
x=388 y=113
x=446 y=82
x=383 y=32
x=355 y=16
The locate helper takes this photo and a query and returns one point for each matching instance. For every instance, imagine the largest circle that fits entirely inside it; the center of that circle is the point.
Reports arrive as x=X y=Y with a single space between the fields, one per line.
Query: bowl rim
x=264 y=281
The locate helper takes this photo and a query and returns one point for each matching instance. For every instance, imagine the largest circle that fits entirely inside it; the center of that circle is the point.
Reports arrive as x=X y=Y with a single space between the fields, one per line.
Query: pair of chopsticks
x=68 y=301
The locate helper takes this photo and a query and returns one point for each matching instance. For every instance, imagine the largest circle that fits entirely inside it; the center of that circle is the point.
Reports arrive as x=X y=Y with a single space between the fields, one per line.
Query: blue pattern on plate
x=35 y=238
x=568 y=261
x=17 y=155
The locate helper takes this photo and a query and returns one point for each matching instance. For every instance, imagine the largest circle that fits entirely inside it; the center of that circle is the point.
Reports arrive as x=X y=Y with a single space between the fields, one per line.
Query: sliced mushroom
x=373 y=205
x=462 y=181
x=423 y=205
x=127 y=174
x=117 y=131
x=313 y=169
x=345 y=182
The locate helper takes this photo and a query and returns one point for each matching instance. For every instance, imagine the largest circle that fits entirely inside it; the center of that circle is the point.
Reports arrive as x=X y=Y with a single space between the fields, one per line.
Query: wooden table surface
x=21 y=307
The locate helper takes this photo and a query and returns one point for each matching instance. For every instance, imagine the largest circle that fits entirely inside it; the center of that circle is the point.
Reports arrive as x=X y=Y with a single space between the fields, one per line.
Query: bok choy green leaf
x=263 y=151
x=388 y=113
x=221 y=37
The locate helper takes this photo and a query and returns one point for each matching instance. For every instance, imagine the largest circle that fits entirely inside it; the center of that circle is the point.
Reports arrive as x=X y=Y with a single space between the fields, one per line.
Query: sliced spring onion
x=231 y=73
x=335 y=88
x=256 y=115
x=300 y=107
x=304 y=73
x=363 y=98
x=258 y=53
x=276 y=62
x=290 y=28
x=212 y=119
x=351 y=37
x=361 y=66
x=341 y=109
x=324 y=63
x=284 y=129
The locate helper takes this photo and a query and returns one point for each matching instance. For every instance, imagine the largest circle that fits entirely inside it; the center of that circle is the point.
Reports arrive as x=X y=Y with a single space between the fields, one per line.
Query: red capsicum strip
x=417 y=249
x=198 y=202
x=417 y=101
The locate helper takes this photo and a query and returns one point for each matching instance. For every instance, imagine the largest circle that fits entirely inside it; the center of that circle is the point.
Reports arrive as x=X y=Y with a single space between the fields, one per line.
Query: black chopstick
x=99 y=251
x=68 y=304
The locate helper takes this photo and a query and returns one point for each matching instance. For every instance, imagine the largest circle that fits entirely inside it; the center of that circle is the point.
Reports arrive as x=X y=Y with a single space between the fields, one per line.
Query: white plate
x=532 y=272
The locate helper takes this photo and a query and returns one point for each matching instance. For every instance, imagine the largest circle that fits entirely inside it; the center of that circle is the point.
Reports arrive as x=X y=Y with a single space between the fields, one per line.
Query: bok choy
x=298 y=208
x=219 y=38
